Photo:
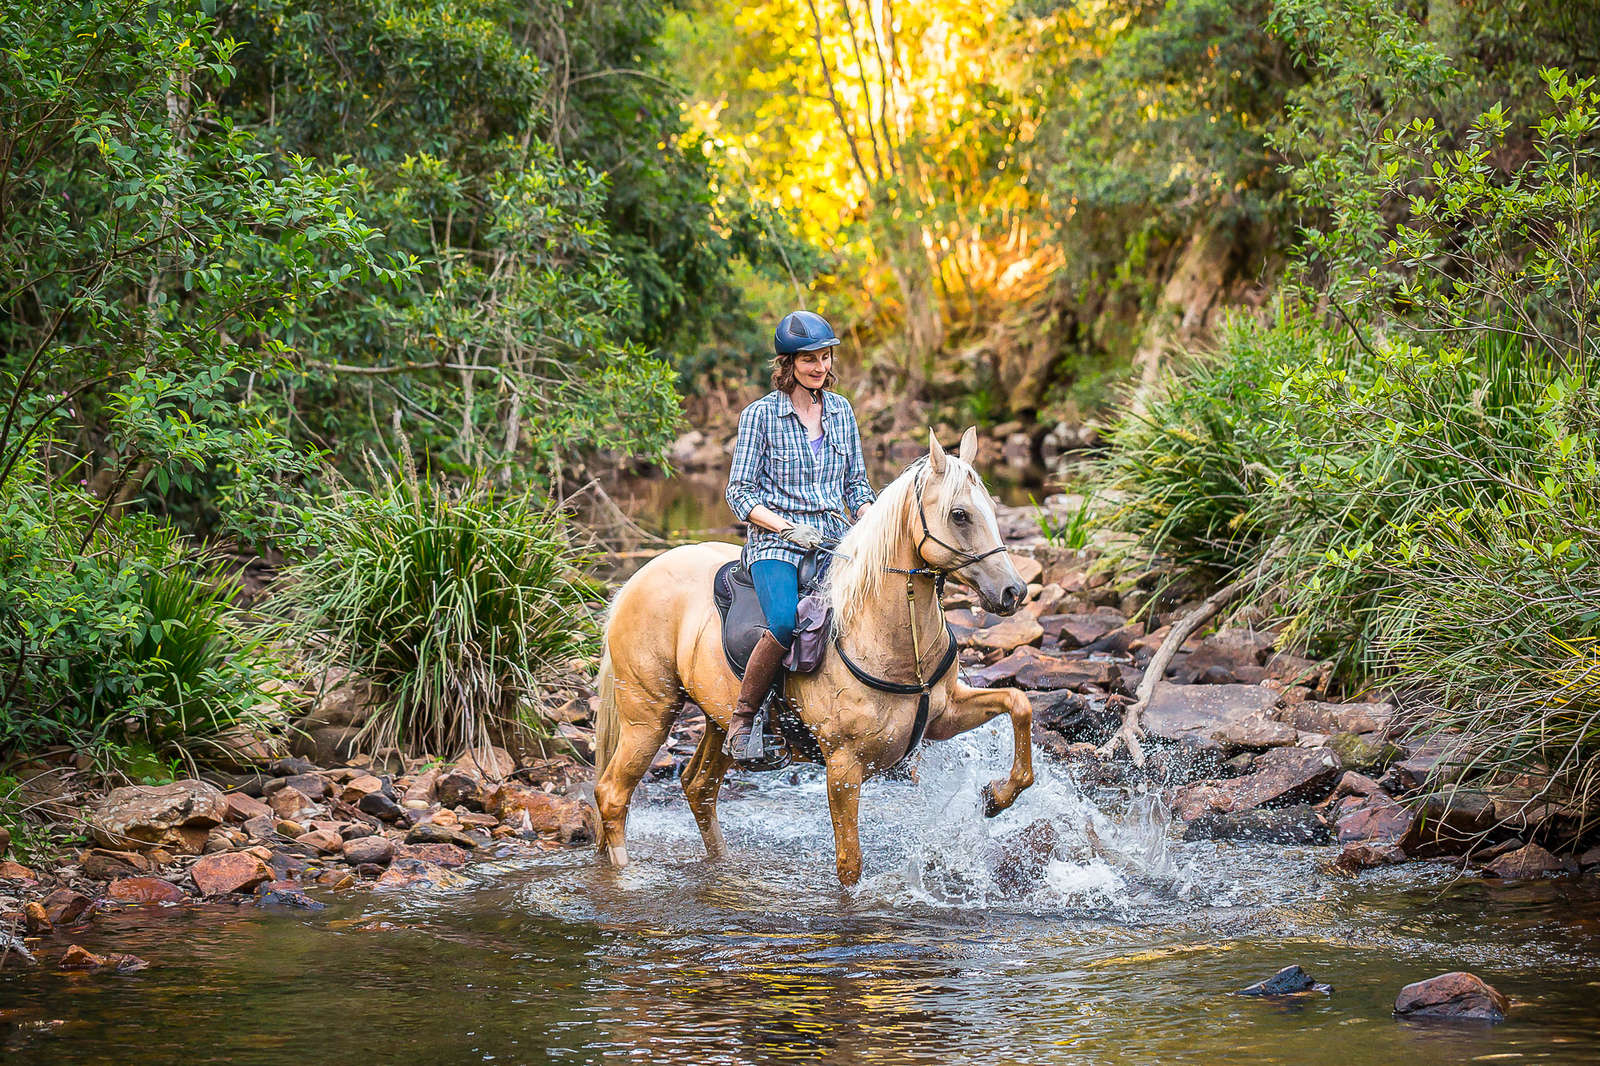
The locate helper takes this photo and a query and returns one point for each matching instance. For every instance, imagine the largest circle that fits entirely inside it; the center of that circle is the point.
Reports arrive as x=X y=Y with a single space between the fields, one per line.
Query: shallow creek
x=1123 y=953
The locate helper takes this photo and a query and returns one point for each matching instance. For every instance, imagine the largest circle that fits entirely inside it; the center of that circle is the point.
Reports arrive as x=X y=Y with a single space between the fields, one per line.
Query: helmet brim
x=815 y=346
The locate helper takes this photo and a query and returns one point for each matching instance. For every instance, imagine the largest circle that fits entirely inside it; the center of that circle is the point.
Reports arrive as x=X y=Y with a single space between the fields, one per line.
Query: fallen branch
x=1130 y=732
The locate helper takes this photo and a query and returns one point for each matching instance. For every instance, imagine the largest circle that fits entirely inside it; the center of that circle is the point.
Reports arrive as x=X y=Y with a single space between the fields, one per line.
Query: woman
x=798 y=480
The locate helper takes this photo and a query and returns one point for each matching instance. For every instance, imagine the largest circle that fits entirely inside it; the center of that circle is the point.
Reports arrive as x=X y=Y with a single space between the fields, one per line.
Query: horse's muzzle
x=1010 y=599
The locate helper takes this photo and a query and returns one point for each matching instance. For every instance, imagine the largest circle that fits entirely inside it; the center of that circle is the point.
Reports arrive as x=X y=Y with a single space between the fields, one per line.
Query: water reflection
x=1123 y=953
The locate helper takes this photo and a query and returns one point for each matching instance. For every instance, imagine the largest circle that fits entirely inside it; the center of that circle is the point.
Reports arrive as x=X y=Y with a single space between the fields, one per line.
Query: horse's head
x=959 y=534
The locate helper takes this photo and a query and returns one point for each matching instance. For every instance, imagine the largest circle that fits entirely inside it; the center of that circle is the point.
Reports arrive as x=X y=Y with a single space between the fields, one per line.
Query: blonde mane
x=857 y=574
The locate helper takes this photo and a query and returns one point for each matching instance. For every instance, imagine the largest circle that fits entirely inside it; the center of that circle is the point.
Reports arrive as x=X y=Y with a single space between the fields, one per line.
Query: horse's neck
x=882 y=643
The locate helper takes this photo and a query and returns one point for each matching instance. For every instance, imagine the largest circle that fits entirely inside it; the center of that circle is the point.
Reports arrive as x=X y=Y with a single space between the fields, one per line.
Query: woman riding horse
x=798 y=481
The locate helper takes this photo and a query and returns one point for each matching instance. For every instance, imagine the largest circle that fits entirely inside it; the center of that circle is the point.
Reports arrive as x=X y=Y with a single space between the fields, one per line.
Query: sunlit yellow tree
x=897 y=134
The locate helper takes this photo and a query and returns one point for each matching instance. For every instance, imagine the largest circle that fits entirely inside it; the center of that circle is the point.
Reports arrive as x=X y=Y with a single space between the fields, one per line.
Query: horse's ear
x=935 y=455
x=969 y=445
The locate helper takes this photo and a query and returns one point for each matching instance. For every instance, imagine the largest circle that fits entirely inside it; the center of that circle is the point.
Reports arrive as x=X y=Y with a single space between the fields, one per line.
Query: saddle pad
x=743 y=623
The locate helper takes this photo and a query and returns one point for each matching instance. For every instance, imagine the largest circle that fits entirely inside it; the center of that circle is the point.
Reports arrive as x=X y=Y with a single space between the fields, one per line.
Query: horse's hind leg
x=702 y=781
x=643 y=720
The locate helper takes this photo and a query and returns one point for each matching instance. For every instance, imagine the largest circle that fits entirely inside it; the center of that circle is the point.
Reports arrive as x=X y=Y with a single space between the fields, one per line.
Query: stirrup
x=763 y=750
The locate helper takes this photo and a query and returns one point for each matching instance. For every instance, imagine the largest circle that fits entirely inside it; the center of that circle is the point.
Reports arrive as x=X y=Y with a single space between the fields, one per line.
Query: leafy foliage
x=453 y=602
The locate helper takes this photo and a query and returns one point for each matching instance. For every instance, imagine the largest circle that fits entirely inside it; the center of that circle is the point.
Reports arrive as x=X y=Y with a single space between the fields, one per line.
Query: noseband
x=939 y=573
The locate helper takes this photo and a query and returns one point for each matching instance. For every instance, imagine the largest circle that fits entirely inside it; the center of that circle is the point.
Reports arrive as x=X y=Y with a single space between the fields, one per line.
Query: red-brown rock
x=1452 y=995
x=64 y=906
x=374 y=849
x=449 y=856
x=1281 y=776
x=144 y=890
x=216 y=875
x=242 y=808
x=15 y=871
x=1195 y=713
x=358 y=788
x=78 y=957
x=1527 y=861
x=1376 y=818
x=323 y=841
x=290 y=803
x=540 y=812
x=1008 y=634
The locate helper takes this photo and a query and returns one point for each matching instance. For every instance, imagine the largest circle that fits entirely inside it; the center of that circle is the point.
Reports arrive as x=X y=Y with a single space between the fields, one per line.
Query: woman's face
x=811 y=368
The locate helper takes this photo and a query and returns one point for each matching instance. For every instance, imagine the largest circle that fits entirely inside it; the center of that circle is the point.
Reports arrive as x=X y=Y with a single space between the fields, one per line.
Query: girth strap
x=919 y=725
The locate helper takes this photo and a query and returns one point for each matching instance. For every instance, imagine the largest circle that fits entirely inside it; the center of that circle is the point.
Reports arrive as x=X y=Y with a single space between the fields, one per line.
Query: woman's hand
x=803 y=537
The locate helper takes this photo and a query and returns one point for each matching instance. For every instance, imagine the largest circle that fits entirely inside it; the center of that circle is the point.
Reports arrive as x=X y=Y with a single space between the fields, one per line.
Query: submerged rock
x=1018 y=861
x=1452 y=995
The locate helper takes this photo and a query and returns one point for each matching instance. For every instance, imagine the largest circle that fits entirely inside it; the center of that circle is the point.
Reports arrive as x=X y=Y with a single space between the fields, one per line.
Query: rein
x=924 y=686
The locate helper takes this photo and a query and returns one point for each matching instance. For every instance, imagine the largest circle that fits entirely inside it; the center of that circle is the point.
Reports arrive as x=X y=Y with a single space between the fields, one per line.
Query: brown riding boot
x=759 y=674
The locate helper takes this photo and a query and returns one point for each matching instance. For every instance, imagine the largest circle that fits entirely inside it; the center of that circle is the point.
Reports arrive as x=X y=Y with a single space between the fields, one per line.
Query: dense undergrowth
x=1410 y=449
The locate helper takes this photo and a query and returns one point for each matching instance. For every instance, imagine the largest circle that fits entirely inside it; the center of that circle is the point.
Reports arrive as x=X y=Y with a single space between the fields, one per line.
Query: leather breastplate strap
x=919 y=725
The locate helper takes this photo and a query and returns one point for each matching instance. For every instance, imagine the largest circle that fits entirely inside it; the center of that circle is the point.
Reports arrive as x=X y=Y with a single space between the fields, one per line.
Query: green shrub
x=453 y=602
x=113 y=638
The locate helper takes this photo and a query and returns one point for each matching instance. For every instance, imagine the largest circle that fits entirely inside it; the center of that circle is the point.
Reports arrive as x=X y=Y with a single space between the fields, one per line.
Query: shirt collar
x=830 y=403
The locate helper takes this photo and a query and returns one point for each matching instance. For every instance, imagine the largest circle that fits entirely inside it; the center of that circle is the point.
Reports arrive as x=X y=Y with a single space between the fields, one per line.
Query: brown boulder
x=1281 y=776
x=144 y=890
x=1313 y=716
x=1365 y=856
x=1031 y=668
x=419 y=795
x=1526 y=862
x=491 y=763
x=242 y=808
x=1076 y=630
x=65 y=907
x=374 y=849
x=459 y=788
x=1449 y=823
x=1008 y=634
x=1376 y=818
x=15 y=871
x=290 y=803
x=436 y=832
x=322 y=840
x=406 y=873
x=1452 y=995
x=103 y=865
x=450 y=856
x=78 y=957
x=358 y=788
x=216 y=875
x=148 y=816
x=525 y=809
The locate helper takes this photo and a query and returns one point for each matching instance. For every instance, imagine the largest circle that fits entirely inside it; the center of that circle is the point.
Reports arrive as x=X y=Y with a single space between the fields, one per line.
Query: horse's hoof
x=991 y=805
x=618 y=855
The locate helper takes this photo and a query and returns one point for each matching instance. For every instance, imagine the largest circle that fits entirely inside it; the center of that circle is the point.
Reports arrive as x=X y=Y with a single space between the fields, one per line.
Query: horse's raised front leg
x=971 y=707
x=845 y=773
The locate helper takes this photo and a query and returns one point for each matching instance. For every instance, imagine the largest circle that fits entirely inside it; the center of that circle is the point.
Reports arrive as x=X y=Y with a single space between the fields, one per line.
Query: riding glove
x=804 y=537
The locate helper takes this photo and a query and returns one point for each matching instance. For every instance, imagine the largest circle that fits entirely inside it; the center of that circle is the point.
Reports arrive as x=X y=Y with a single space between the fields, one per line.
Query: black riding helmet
x=803 y=331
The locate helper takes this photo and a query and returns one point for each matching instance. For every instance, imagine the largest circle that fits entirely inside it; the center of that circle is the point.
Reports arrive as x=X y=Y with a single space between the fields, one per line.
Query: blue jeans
x=778 y=588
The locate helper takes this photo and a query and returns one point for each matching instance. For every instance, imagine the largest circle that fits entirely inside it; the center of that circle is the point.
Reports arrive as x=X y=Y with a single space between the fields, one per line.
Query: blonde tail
x=606 y=725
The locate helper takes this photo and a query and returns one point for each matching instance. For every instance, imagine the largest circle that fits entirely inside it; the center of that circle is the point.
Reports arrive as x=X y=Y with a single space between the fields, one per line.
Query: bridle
x=924 y=685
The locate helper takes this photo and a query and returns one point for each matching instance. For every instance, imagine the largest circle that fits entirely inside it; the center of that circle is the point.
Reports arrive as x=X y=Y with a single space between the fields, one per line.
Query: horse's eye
x=959 y=516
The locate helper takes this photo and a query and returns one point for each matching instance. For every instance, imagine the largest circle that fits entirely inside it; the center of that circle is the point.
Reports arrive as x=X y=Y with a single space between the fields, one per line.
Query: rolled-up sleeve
x=857 y=489
x=748 y=451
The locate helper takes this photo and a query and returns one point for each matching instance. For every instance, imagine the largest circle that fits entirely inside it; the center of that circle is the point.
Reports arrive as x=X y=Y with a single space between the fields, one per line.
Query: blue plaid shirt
x=773 y=464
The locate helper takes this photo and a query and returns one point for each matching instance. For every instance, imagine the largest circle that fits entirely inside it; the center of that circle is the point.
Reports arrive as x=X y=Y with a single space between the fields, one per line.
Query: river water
x=1125 y=951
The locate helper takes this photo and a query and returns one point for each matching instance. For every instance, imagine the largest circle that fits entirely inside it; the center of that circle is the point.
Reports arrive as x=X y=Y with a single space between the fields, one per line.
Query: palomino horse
x=663 y=640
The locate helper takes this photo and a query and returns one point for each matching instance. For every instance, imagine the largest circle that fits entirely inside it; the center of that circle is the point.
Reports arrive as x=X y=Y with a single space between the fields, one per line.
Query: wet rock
x=144 y=890
x=1458 y=995
x=1282 y=776
x=66 y=907
x=1366 y=855
x=435 y=833
x=409 y=873
x=1374 y=818
x=380 y=805
x=217 y=875
x=1291 y=825
x=1018 y=861
x=78 y=957
x=1448 y=823
x=15 y=871
x=1197 y=712
x=1289 y=981
x=1032 y=669
x=374 y=849
x=35 y=919
x=1008 y=634
x=287 y=897
x=525 y=809
x=1528 y=861
x=149 y=816
x=1353 y=783
x=1070 y=715
x=322 y=840
x=450 y=856
x=290 y=803
x=1255 y=733
x=101 y=864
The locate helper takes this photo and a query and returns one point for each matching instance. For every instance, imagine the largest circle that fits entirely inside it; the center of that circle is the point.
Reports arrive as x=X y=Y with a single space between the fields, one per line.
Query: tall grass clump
x=452 y=600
